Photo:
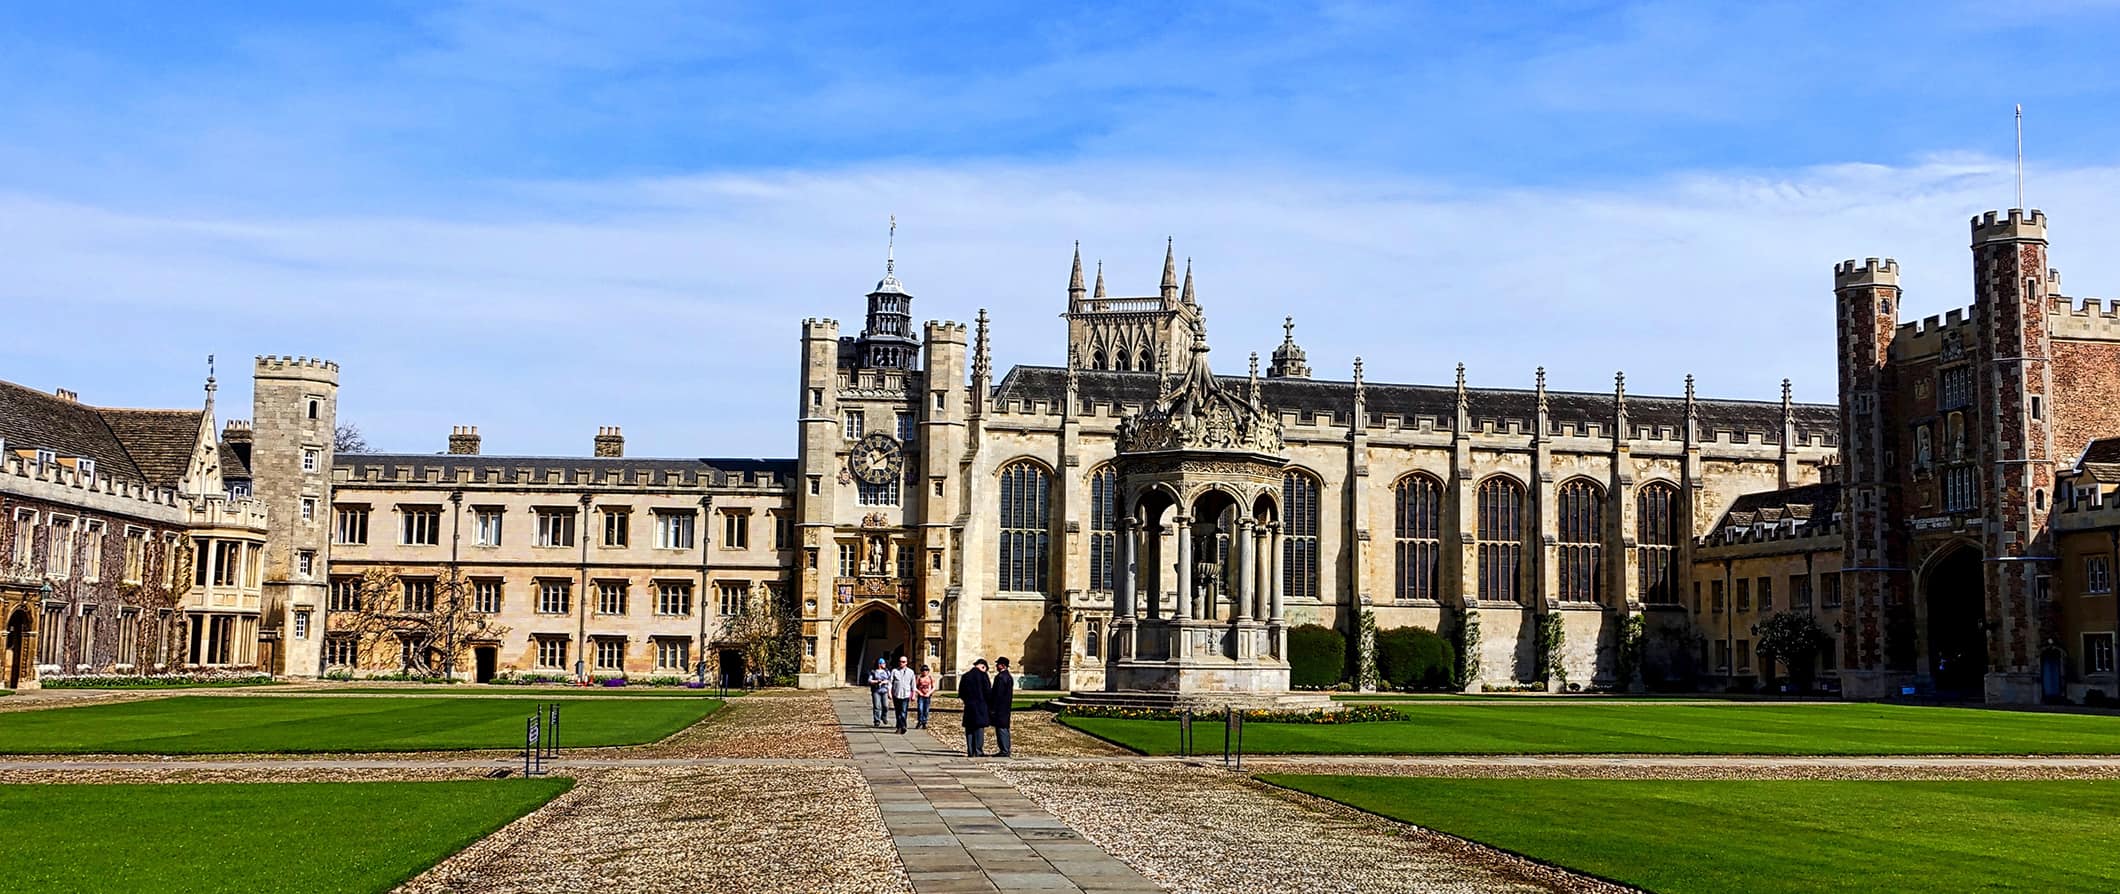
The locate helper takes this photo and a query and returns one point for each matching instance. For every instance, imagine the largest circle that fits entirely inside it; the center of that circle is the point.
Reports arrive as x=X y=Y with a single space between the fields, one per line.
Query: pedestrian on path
x=1000 y=700
x=879 y=689
x=973 y=689
x=924 y=690
x=902 y=689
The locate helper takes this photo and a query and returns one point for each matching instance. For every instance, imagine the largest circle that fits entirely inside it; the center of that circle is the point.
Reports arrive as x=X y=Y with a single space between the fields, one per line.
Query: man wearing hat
x=879 y=692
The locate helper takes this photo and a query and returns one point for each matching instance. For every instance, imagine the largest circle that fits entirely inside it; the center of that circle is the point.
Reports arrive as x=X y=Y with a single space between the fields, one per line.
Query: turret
x=887 y=340
x=1289 y=361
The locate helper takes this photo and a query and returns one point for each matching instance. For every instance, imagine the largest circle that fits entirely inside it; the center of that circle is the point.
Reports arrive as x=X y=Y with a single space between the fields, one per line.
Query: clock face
x=876 y=459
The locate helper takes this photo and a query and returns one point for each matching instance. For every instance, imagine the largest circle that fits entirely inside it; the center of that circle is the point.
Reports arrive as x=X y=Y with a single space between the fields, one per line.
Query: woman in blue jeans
x=924 y=692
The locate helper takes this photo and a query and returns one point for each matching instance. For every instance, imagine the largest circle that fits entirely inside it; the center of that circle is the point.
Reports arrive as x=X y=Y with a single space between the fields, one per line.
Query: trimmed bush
x=1317 y=657
x=1411 y=658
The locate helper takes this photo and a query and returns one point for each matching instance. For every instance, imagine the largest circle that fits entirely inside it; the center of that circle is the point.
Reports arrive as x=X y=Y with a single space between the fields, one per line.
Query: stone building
x=1773 y=551
x=121 y=547
x=595 y=566
x=953 y=515
x=1962 y=434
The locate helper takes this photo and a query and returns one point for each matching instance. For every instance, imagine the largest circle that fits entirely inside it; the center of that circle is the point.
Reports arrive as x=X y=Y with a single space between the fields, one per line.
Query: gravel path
x=772 y=724
x=1198 y=830
x=709 y=829
x=1034 y=732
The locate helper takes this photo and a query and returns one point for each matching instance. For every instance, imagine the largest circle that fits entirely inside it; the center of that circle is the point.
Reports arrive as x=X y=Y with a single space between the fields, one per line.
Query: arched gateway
x=1197 y=603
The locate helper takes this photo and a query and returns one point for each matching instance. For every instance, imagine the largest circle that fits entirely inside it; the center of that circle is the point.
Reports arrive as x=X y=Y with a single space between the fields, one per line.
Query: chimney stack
x=609 y=443
x=66 y=395
x=463 y=440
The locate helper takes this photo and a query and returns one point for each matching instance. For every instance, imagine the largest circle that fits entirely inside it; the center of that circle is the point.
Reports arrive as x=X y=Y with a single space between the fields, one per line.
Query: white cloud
x=670 y=306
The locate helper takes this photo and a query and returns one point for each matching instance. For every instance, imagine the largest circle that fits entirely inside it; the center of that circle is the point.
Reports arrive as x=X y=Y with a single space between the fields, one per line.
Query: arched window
x=1581 y=514
x=1417 y=534
x=1656 y=539
x=1096 y=359
x=1141 y=360
x=313 y=405
x=1025 y=527
x=1103 y=526
x=1500 y=539
x=1299 y=535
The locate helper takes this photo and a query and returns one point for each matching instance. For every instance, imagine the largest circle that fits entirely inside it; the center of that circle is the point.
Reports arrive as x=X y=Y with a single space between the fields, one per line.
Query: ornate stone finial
x=1619 y=386
x=1289 y=361
x=1463 y=404
x=1254 y=377
x=1689 y=388
x=1358 y=373
x=1288 y=330
x=982 y=359
x=1100 y=280
x=1074 y=279
x=209 y=374
x=1186 y=296
x=1541 y=389
x=1787 y=395
x=1361 y=398
x=1170 y=269
x=1074 y=379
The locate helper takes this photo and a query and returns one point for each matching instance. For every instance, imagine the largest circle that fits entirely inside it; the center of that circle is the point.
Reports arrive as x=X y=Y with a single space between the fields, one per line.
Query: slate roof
x=1807 y=503
x=160 y=441
x=1049 y=383
x=233 y=467
x=2101 y=460
x=483 y=467
x=34 y=420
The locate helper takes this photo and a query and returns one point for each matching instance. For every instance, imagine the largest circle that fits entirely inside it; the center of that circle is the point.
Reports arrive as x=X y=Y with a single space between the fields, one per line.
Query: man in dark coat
x=974 y=688
x=1000 y=700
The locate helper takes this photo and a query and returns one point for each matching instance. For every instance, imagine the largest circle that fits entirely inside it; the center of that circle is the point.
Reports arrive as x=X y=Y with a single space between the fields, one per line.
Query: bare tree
x=347 y=438
x=769 y=638
x=425 y=633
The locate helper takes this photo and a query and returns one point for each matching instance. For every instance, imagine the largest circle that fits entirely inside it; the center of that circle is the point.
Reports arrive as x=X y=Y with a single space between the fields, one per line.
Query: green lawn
x=1693 y=837
x=1638 y=728
x=200 y=724
x=249 y=838
x=475 y=690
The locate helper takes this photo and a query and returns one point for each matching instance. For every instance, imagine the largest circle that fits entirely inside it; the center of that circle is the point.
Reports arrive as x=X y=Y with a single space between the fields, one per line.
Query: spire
x=1186 y=297
x=1361 y=398
x=1542 y=389
x=1100 y=280
x=1254 y=378
x=1787 y=394
x=1170 y=270
x=1074 y=381
x=890 y=249
x=982 y=359
x=1619 y=406
x=1074 y=279
x=1463 y=404
x=210 y=386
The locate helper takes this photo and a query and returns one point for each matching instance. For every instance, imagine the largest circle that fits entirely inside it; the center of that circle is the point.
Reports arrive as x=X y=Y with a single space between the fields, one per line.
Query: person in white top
x=902 y=688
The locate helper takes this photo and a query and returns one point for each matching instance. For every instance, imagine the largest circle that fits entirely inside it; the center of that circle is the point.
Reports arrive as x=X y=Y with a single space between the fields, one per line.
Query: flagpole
x=2020 y=155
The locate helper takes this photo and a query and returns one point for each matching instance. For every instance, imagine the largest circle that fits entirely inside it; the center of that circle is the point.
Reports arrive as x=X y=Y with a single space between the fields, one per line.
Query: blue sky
x=541 y=218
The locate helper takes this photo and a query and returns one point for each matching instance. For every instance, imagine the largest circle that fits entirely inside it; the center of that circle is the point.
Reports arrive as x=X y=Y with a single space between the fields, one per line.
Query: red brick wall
x=2086 y=395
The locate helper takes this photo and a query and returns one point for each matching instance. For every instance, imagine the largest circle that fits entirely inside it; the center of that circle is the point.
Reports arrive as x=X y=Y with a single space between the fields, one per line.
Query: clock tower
x=870 y=496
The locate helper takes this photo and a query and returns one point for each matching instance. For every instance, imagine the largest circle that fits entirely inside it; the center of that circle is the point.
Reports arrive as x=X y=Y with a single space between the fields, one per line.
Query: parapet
x=1870 y=272
x=946 y=331
x=820 y=327
x=273 y=366
x=1994 y=226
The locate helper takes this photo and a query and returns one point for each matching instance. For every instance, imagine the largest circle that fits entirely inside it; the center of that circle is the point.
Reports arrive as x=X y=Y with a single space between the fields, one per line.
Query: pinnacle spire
x=1542 y=407
x=1186 y=297
x=982 y=358
x=1100 y=280
x=1074 y=280
x=1170 y=268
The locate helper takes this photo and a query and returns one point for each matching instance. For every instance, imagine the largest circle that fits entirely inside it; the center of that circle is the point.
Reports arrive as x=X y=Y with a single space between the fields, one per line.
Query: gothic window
x=1299 y=535
x=1141 y=360
x=1954 y=387
x=1025 y=527
x=1581 y=517
x=1103 y=526
x=1656 y=539
x=1096 y=359
x=1500 y=538
x=1417 y=535
x=1961 y=489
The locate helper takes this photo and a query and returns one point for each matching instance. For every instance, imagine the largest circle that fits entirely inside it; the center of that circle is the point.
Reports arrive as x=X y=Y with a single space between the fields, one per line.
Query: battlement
x=312 y=368
x=2015 y=226
x=2093 y=319
x=64 y=483
x=820 y=327
x=1927 y=336
x=946 y=330
x=1870 y=272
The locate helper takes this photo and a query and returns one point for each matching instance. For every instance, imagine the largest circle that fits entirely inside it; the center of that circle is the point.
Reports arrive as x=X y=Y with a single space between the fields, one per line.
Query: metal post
x=554 y=723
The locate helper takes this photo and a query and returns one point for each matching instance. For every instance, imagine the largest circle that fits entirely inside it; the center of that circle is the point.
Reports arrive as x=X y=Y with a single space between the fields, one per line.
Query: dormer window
x=87 y=468
x=47 y=457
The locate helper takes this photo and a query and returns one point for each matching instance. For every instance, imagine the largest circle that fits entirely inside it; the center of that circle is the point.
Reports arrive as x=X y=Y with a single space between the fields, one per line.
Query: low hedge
x=153 y=681
x=1317 y=657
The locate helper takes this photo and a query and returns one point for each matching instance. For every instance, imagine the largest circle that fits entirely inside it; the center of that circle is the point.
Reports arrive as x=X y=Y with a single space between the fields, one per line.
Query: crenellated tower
x=294 y=418
x=1875 y=582
x=1129 y=334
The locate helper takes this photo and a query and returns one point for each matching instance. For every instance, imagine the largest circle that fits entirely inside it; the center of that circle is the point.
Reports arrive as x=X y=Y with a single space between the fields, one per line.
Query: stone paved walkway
x=958 y=828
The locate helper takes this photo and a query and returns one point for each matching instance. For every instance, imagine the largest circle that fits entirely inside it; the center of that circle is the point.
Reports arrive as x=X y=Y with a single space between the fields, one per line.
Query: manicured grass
x=156 y=684
x=474 y=690
x=249 y=838
x=1637 y=728
x=1693 y=837
x=293 y=724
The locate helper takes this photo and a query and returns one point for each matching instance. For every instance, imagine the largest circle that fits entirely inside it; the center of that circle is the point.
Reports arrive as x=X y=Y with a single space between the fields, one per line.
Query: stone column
x=1185 y=591
x=1151 y=576
x=1123 y=588
x=1246 y=572
x=1262 y=561
x=1274 y=583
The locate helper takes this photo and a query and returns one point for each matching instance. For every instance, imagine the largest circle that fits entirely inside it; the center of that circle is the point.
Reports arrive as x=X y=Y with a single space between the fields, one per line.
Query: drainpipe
x=456 y=538
x=581 y=601
x=1729 y=627
x=699 y=606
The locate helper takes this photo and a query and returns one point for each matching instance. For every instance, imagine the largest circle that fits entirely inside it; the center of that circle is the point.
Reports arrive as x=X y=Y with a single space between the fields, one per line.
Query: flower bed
x=154 y=681
x=1346 y=714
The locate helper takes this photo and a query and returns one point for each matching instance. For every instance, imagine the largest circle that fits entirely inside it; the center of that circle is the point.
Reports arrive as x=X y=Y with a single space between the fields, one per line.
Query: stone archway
x=19 y=642
x=871 y=631
x=1954 y=594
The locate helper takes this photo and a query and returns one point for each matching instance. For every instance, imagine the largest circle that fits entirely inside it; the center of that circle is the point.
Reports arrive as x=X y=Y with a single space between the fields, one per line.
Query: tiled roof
x=2101 y=459
x=506 y=469
x=160 y=441
x=232 y=464
x=34 y=420
x=1806 y=503
x=1029 y=383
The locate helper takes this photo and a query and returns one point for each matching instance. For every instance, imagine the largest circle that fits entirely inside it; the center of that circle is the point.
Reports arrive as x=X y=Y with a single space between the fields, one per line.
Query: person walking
x=902 y=689
x=973 y=689
x=924 y=691
x=1000 y=701
x=879 y=689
